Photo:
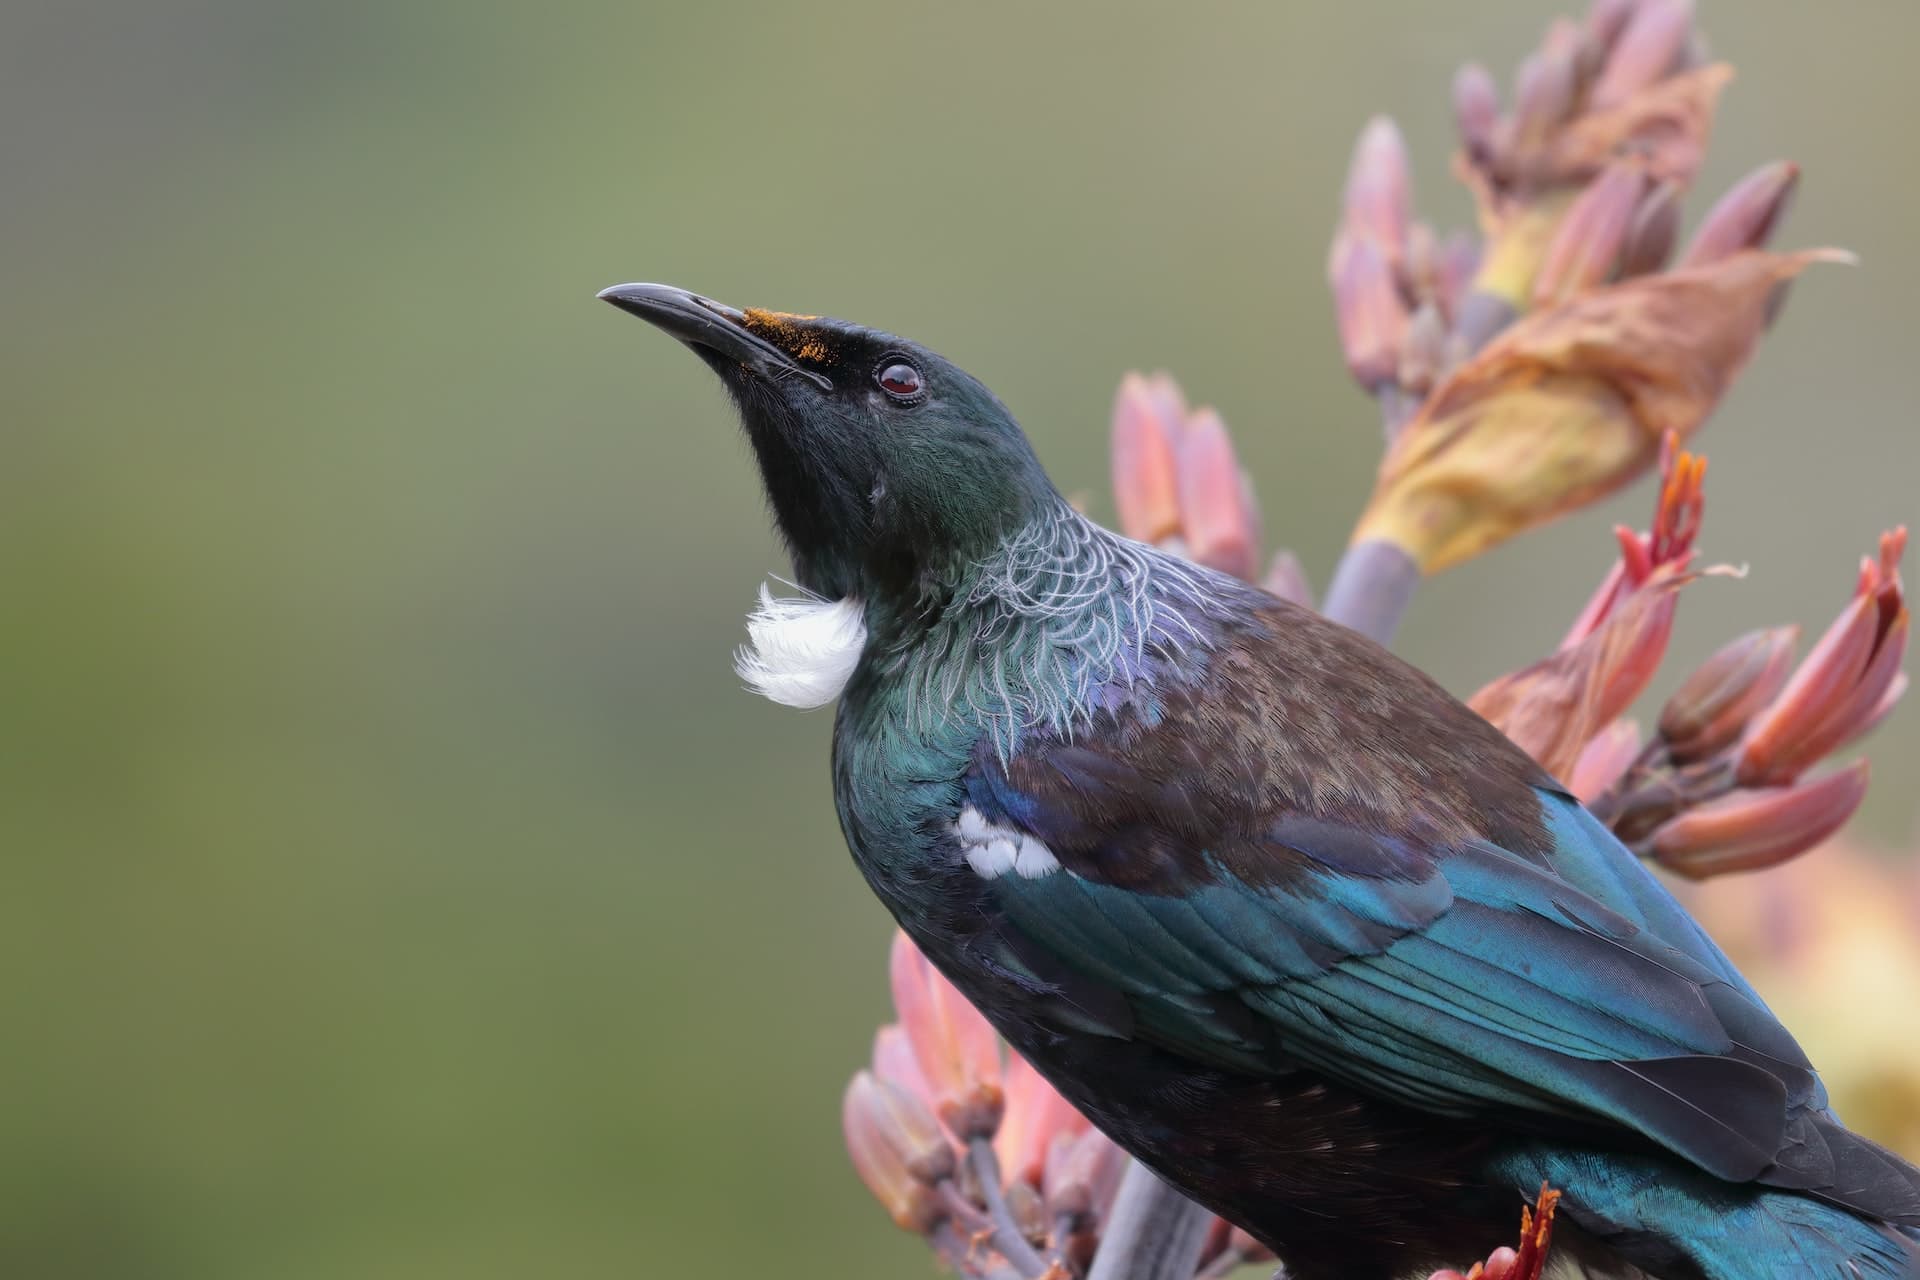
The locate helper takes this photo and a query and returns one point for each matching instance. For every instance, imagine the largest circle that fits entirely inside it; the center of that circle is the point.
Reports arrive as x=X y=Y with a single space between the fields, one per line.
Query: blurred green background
x=397 y=881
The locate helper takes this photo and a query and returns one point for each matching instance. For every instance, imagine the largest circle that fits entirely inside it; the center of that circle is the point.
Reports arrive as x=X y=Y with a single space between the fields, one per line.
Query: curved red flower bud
x=1712 y=706
x=1745 y=830
x=1529 y=1260
x=958 y=1052
x=1147 y=419
x=1842 y=687
x=898 y=1150
x=1665 y=548
x=1036 y=1115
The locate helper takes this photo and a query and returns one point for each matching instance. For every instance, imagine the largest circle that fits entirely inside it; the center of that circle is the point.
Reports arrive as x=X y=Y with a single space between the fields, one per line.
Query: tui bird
x=1280 y=915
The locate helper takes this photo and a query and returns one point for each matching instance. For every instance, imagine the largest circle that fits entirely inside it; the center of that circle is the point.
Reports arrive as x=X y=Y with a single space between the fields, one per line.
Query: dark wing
x=1307 y=853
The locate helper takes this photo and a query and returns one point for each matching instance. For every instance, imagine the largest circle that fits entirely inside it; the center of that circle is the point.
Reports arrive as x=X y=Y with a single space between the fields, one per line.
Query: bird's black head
x=887 y=467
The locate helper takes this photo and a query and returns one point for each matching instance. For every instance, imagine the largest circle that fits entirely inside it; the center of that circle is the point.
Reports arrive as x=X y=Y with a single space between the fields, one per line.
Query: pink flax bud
x=1653 y=233
x=1647 y=50
x=1476 y=109
x=1544 y=94
x=1557 y=706
x=1369 y=310
x=1145 y=471
x=1216 y=508
x=1586 y=247
x=1745 y=217
x=1082 y=1175
x=1246 y=1248
x=1676 y=522
x=1745 y=830
x=1604 y=760
x=1712 y=706
x=893 y=1061
x=1606 y=20
x=1840 y=690
x=897 y=1148
x=1287 y=579
x=958 y=1053
x=1378 y=204
x=1036 y=1115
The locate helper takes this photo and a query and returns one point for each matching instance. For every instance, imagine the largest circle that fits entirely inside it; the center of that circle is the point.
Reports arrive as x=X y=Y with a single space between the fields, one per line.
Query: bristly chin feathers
x=800 y=651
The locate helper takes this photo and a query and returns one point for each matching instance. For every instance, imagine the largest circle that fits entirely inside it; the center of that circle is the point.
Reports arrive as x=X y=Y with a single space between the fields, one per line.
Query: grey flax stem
x=1372 y=588
x=1006 y=1232
x=1152 y=1232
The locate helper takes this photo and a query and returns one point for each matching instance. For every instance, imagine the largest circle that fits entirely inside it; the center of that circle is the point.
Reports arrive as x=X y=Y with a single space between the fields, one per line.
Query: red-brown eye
x=899 y=380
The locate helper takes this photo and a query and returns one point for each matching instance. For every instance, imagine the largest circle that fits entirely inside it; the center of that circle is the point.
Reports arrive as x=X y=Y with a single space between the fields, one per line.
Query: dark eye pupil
x=900 y=379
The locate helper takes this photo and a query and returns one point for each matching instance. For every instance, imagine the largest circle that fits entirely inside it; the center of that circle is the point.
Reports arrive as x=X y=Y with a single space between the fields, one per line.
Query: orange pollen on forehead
x=788 y=332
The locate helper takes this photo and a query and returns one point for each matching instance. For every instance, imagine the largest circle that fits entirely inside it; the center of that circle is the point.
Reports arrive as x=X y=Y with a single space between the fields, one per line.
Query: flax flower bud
x=1148 y=416
x=1378 y=204
x=1712 y=706
x=1653 y=233
x=1036 y=1115
x=1604 y=761
x=1745 y=217
x=1568 y=405
x=1745 y=830
x=1646 y=49
x=1217 y=516
x=1286 y=578
x=898 y=1150
x=1529 y=1261
x=1585 y=249
x=1665 y=124
x=1082 y=1175
x=1369 y=310
x=1476 y=109
x=894 y=1062
x=1845 y=686
x=956 y=1049
x=1607 y=19
x=1557 y=706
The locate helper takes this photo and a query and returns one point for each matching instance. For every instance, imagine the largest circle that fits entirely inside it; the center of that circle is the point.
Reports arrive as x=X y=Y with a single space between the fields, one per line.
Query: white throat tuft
x=801 y=651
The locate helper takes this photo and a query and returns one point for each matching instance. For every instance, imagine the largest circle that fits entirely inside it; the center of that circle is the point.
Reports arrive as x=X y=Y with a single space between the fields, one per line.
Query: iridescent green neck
x=1056 y=623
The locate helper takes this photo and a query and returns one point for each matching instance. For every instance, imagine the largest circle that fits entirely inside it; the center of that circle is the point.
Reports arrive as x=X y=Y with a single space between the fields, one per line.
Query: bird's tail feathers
x=1671 y=1221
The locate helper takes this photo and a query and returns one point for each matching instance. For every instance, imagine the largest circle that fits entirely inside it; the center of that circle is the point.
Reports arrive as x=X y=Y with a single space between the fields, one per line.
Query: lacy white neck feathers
x=801 y=651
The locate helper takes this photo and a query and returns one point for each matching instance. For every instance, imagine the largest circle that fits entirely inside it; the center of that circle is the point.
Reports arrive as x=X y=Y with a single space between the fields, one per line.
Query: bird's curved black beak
x=711 y=328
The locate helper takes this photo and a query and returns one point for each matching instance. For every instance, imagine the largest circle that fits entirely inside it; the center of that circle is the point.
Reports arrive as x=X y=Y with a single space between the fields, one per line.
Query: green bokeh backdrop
x=396 y=881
